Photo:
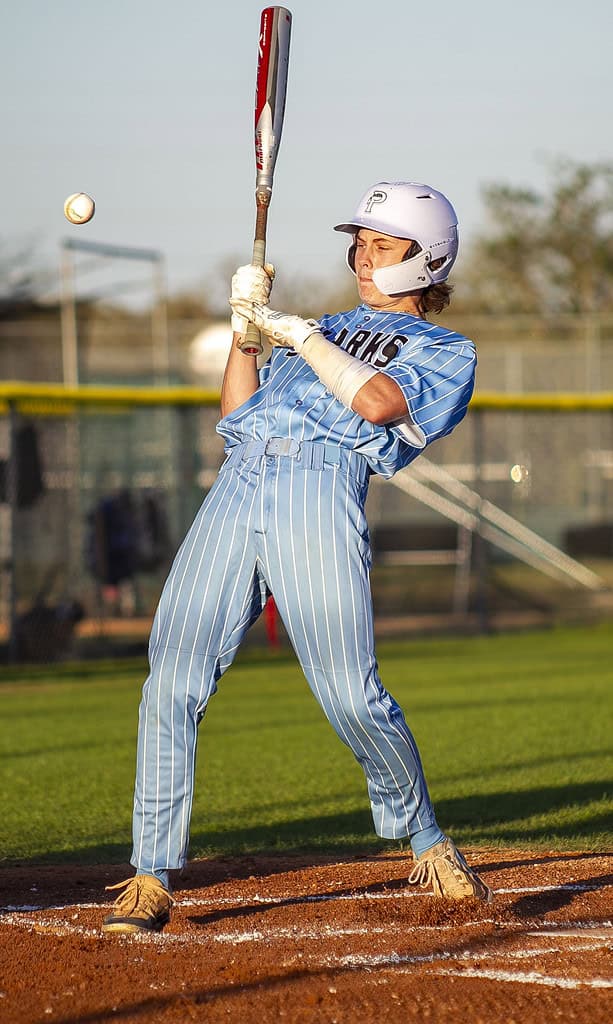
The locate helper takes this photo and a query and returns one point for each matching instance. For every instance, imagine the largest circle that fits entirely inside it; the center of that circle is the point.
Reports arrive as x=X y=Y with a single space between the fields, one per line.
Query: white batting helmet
x=406 y=209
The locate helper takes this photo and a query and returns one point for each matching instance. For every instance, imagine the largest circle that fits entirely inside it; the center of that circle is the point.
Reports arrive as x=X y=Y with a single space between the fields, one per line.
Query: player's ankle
x=425 y=839
x=161 y=876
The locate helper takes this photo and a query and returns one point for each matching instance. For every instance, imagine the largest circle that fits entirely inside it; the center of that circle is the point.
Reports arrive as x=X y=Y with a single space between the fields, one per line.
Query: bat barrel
x=270 y=92
x=271 y=89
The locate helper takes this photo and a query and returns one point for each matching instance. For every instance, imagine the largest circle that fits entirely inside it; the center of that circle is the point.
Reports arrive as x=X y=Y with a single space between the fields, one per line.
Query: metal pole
x=593 y=382
x=70 y=364
x=12 y=484
x=159 y=324
x=70 y=344
x=479 y=550
x=461 y=587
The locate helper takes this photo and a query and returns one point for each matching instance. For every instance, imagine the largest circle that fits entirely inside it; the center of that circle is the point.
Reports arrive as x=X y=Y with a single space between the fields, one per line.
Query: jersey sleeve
x=264 y=371
x=437 y=381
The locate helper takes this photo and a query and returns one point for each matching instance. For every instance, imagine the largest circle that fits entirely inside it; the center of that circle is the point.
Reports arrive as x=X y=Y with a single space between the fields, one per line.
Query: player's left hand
x=284 y=329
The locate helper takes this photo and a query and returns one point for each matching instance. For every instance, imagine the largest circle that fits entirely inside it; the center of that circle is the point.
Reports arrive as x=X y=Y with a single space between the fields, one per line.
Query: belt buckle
x=282 y=446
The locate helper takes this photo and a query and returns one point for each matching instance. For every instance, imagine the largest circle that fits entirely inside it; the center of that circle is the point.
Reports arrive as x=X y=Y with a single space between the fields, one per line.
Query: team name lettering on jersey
x=375 y=347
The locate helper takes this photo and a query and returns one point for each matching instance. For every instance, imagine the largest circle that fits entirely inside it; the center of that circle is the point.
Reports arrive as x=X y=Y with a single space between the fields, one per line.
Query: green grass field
x=514 y=731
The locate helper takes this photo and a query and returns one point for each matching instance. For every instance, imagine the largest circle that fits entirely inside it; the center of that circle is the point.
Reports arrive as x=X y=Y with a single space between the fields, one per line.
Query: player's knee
x=357 y=711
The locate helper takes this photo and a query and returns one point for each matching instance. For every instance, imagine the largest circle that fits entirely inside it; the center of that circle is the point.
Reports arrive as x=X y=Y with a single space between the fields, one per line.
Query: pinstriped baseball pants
x=292 y=523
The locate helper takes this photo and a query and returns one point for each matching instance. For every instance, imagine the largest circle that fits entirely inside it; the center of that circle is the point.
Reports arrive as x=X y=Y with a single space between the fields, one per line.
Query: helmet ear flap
x=350 y=256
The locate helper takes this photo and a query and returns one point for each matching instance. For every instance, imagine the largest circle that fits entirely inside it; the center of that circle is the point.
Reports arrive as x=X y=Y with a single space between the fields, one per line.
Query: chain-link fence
x=98 y=487
x=94 y=498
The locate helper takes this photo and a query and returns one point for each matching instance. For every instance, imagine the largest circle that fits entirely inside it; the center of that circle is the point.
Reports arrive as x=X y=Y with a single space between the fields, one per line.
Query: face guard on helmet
x=405 y=209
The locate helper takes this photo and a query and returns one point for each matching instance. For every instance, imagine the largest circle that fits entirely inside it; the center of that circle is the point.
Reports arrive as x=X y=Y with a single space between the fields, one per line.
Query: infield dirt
x=315 y=939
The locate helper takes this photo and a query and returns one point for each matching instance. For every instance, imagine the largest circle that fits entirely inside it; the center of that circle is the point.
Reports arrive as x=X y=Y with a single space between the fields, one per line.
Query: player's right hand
x=250 y=284
x=284 y=329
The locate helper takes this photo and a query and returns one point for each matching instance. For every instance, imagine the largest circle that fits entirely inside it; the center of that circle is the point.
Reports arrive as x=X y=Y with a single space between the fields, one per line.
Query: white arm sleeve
x=342 y=373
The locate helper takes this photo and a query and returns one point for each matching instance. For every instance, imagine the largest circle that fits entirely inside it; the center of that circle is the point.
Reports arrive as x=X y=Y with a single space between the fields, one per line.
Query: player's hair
x=435 y=298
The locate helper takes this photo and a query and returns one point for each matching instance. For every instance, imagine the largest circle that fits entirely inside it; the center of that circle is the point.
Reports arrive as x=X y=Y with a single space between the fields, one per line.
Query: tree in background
x=549 y=253
x=22 y=280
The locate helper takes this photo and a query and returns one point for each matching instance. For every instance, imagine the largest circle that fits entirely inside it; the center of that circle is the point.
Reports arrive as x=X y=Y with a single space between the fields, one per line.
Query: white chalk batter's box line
x=402 y=894
x=529 y=978
x=461 y=956
x=400 y=964
x=587 y=935
x=600 y=936
x=590 y=933
x=21 y=916
x=291 y=899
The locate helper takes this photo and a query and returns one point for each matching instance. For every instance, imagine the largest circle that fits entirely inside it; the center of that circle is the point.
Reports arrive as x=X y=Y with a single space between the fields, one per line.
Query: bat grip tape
x=259 y=252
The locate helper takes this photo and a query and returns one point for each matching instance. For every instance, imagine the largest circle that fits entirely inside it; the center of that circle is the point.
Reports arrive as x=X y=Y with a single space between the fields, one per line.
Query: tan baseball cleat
x=444 y=868
x=143 y=906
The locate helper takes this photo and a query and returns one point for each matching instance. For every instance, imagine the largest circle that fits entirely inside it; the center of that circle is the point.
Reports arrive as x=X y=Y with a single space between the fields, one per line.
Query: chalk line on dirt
x=584 y=936
x=291 y=899
x=530 y=978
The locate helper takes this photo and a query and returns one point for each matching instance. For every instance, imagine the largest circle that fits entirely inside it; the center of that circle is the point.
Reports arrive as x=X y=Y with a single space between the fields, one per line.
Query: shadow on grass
x=480 y=819
x=99 y=669
x=435 y=777
x=518 y=805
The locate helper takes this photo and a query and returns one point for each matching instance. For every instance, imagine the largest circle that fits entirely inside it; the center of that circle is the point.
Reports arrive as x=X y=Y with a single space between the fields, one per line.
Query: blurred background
x=149 y=108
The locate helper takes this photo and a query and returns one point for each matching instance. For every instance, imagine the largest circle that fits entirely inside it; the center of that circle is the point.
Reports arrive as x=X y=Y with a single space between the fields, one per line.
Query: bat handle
x=251 y=344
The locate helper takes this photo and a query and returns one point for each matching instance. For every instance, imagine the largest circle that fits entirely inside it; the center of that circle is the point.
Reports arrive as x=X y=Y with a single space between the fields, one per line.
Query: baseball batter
x=352 y=394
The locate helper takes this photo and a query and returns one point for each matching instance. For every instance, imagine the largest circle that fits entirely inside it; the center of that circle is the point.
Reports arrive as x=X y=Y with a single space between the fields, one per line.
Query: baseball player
x=355 y=393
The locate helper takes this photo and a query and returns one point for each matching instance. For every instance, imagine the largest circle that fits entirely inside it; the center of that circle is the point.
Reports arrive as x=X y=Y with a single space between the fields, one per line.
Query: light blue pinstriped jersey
x=434 y=367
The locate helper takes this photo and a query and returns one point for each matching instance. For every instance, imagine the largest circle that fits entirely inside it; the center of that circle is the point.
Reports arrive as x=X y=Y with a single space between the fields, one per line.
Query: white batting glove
x=250 y=284
x=283 y=329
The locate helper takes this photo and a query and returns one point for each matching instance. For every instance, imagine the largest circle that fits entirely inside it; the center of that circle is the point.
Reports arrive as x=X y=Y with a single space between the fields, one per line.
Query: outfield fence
x=99 y=484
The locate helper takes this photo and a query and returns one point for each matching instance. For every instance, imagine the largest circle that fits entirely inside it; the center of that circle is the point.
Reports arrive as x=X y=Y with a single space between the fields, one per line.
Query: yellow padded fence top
x=56 y=398
x=535 y=401
x=49 y=398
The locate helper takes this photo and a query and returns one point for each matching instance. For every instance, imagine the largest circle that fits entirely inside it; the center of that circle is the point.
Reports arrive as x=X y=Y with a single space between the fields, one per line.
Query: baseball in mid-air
x=79 y=208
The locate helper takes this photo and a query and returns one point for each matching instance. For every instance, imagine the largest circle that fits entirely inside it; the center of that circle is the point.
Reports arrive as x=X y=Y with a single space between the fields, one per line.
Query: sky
x=148 y=106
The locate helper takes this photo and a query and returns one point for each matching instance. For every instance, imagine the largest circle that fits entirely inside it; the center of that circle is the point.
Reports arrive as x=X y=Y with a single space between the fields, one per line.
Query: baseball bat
x=270 y=92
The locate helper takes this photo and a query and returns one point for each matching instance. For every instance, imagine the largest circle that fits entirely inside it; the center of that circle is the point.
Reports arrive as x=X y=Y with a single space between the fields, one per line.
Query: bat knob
x=251 y=344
